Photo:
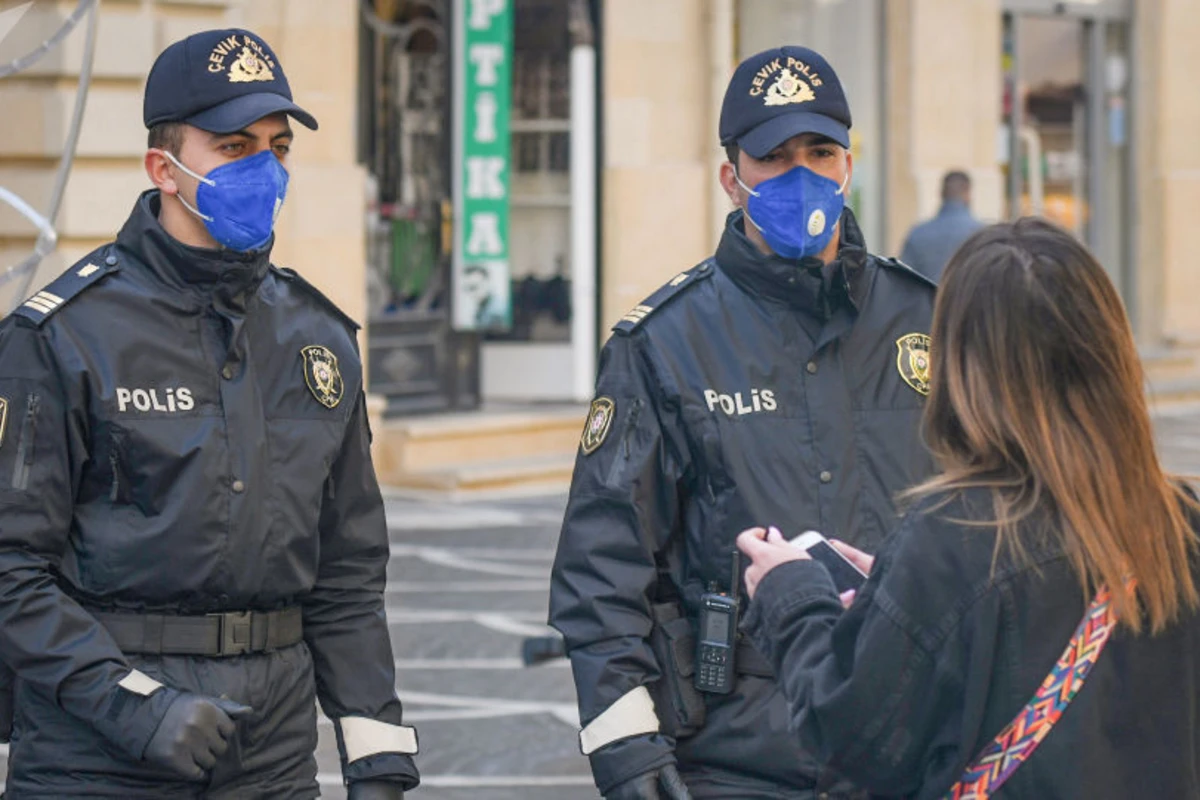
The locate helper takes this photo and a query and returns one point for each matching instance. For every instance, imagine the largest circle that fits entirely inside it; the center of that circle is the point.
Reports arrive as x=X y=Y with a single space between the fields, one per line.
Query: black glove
x=193 y=734
x=375 y=790
x=647 y=786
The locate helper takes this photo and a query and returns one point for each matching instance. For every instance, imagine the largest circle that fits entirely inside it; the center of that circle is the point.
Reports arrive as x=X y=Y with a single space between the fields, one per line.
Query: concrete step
x=1170 y=364
x=531 y=475
x=1174 y=391
x=439 y=442
x=524 y=449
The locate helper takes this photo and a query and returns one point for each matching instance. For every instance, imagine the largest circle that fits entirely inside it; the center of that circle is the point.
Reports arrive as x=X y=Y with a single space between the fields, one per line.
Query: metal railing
x=22 y=273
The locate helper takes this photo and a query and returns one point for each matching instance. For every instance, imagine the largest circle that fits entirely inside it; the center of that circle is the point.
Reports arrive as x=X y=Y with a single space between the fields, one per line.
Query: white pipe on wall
x=583 y=218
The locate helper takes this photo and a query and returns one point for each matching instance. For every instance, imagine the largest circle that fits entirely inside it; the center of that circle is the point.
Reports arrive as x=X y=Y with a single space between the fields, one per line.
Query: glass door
x=1065 y=124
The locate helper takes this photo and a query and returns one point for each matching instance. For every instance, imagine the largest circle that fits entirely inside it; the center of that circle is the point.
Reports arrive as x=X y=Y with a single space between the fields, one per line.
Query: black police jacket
x=942 y=649
x=183 y=431
x=750 y=390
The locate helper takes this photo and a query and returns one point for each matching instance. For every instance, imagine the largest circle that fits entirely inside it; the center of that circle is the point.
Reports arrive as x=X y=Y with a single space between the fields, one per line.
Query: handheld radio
x=716 y=645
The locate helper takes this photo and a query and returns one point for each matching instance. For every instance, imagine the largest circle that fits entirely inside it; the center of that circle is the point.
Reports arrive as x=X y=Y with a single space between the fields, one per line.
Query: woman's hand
x=767 y=550
x=856 y=557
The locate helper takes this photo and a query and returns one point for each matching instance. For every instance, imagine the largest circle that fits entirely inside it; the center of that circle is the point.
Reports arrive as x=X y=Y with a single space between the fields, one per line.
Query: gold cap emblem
x=322 y=375
x=787 y=89
x=599 y=422
x=912 y=360
x=245 y=59
x=248 y=68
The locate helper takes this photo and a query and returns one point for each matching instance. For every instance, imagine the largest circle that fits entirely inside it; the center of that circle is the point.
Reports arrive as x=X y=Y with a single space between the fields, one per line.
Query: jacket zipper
x=113 y=462
x=634 y=413
x=20 y=480
x=619 y=463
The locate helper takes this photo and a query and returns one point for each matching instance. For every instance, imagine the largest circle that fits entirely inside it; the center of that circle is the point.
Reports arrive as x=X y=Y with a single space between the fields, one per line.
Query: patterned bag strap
x=1013 y=745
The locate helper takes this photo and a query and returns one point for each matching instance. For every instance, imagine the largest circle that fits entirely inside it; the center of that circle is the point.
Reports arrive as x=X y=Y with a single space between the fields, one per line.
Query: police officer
x=779 y=382
x=193 y=542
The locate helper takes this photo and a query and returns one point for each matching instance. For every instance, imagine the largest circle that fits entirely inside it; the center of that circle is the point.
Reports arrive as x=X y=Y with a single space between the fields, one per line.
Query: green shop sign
x=482 y=173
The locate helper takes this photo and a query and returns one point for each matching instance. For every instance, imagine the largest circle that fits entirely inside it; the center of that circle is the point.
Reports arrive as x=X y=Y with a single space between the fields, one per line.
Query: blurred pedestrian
x=930 y=244
x=1051 y=522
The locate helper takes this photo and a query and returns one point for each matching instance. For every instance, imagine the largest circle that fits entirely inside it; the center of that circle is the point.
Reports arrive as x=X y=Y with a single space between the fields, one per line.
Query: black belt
x=751 y=662
x=232 y=633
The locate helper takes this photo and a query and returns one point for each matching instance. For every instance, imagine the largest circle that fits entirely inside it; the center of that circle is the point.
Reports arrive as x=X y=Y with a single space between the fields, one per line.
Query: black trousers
x=54 y=755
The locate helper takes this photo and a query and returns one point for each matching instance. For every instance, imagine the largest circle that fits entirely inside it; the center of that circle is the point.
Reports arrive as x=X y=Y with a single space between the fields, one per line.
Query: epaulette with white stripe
x=668 y=291
x=67 y=287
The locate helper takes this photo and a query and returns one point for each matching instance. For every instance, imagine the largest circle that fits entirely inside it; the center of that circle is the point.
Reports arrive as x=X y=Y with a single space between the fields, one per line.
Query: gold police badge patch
x=912 y=360
x=599 y=421
x=322 y=376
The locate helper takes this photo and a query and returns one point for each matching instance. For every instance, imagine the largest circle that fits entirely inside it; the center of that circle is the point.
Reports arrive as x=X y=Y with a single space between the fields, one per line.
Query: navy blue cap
x=780 y=93
x=219 y=81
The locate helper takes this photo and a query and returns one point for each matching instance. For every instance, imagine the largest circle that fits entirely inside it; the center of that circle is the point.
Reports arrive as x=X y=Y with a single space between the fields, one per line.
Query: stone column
x=658 y=142
x=321 y=232
x=1167 y=116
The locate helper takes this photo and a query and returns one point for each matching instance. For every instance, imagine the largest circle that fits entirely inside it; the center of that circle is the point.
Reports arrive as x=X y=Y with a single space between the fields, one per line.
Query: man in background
x=931 y=243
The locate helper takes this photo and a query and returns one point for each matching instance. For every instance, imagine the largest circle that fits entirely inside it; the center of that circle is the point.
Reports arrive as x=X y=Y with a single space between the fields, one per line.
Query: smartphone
x=846 y=576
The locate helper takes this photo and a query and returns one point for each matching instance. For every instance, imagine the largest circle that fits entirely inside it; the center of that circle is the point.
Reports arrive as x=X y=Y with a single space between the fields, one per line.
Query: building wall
x=658 y=138
x=320 y=231
x=1168 y=169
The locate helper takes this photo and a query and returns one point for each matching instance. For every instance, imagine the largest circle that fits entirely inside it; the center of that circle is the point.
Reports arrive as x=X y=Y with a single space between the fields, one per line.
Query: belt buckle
x=234 y=632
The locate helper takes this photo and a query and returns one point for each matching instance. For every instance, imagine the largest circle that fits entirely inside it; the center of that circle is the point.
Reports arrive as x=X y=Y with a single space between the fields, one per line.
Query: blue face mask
x=797 y=211
x=239 y=201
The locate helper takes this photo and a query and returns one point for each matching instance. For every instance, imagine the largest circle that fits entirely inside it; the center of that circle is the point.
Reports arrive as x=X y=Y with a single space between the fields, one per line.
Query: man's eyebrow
x=245 y=134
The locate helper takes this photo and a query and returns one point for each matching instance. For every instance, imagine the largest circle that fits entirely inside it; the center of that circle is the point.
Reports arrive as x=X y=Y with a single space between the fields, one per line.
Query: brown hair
x=166 y=136
x=1037 y=394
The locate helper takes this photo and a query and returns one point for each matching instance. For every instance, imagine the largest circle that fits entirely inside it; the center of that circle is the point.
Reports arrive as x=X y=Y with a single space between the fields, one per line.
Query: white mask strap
x=842 y=188
x=200 y=178
x=179 y=164
x=738 y=178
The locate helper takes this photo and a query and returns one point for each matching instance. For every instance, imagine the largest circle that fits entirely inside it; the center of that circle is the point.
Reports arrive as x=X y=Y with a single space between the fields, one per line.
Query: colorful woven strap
x=1017 y=742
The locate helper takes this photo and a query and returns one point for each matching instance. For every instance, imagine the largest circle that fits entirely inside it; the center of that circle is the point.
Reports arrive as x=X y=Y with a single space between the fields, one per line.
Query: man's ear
x=729 y=182
x=158 y=168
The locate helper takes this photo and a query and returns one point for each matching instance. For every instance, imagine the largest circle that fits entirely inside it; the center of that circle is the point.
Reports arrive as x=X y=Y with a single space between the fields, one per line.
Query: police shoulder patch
x=322 y=375
x=912 y=360
x=667 y=292
x=599 y=421
x=293 y=277
x=899 y=266
x=67 y=286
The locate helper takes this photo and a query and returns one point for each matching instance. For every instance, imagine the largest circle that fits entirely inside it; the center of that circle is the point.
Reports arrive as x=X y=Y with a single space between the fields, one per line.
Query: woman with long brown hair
x=1051 y=549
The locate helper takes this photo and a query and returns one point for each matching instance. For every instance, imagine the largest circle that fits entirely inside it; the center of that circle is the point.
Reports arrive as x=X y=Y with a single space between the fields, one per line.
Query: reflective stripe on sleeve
x=139 y=683
x=632 y=714
x=364 y=737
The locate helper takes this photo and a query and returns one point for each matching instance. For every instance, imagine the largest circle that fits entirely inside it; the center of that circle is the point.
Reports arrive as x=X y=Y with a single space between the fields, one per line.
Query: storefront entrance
x=1065 y=122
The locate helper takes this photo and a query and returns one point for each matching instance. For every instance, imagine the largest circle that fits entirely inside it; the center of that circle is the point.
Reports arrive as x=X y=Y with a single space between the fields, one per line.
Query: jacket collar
x=805 y=284
x=953 y=208
x=222 y=274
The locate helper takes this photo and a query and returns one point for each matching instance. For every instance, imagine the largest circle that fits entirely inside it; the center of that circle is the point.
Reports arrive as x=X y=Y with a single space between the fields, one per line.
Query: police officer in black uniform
x=193 y=543
x=779 y=382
